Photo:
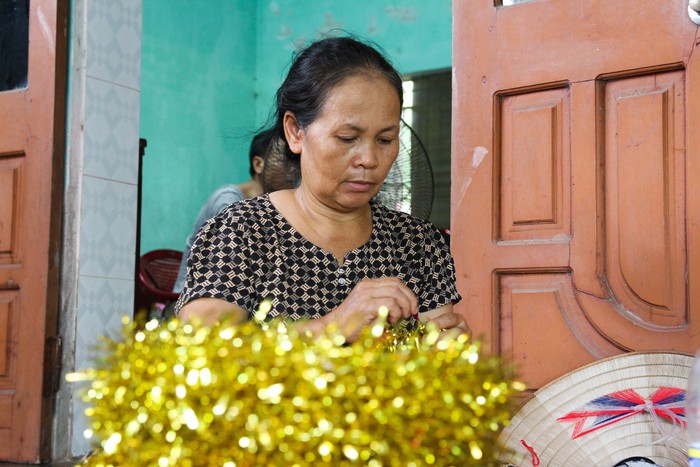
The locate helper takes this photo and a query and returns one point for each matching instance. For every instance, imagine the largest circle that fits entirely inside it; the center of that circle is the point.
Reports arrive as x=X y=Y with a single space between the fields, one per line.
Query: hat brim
x=535 y=431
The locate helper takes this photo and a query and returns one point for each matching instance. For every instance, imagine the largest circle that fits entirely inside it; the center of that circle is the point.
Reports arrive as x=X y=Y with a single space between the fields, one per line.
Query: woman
x=324 y=252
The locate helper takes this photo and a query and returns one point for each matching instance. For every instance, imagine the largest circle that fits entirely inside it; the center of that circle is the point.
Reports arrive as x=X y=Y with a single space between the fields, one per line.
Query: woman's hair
x=323 y=65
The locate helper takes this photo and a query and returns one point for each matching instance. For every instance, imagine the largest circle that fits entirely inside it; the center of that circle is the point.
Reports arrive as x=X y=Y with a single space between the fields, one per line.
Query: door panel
x=575 y=133
x=644 y=192
x=9 y=207
x=31 y=162
x=534 y=202
x=531 y=306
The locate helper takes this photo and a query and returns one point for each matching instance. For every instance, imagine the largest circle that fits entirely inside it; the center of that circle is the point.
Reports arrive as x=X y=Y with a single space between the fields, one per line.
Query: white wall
x=97 y=285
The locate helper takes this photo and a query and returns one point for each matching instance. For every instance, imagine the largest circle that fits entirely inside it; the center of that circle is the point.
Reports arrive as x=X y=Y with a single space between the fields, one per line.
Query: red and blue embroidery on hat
x=665 y=403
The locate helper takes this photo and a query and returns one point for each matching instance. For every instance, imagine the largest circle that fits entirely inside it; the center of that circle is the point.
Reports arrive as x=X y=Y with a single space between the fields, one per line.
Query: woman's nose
x=367 y=156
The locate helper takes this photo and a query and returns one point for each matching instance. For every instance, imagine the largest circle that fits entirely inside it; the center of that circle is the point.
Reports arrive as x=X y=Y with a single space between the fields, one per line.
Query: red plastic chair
x=158 y=271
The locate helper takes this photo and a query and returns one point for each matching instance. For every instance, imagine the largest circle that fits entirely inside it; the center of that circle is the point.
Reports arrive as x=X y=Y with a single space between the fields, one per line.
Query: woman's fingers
x=451 y=320
x=371 y=308
x=391 y=293
x=361 y=307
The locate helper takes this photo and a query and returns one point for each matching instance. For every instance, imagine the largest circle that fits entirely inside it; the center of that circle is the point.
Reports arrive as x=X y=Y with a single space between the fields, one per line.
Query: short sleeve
x=218 y=264
x=439 y=278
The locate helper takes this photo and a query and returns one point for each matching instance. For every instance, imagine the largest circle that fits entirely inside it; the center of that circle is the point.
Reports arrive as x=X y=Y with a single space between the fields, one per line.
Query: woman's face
x=348 y=150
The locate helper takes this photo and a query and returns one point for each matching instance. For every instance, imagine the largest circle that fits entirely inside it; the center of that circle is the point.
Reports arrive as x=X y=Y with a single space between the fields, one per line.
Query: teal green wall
x=416 y=34
x=197 y=109
x=209 y=76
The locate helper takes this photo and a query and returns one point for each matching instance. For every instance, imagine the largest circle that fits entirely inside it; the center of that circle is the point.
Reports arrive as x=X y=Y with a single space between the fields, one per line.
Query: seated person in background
x=324 y=252
x=226 y=195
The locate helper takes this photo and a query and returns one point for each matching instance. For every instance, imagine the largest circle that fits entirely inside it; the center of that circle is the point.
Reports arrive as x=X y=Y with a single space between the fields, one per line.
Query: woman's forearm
x=210 y=311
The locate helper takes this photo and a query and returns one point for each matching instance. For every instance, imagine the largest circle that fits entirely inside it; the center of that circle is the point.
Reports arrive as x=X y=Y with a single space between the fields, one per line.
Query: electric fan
x=408 y=187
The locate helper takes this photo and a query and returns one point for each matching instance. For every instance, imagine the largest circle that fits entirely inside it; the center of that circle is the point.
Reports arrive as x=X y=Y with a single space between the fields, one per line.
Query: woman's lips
x=360 y=185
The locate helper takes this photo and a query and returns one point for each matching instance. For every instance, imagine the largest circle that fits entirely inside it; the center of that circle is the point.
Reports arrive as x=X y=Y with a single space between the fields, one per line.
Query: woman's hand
x=361 y=307
x=446 y=319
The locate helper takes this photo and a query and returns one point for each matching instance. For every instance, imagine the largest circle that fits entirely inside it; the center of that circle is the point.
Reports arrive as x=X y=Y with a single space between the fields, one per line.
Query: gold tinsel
x=251 y=395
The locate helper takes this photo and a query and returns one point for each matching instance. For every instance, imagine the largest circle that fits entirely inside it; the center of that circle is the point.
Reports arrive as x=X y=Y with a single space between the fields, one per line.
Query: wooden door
x=576 y=156
x=31 y=155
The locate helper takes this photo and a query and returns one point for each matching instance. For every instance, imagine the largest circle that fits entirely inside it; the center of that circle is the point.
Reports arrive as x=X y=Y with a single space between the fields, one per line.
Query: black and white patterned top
x=250 y=252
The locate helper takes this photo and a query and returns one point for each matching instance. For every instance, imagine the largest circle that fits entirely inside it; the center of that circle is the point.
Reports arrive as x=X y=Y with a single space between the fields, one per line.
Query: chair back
x=158 y=271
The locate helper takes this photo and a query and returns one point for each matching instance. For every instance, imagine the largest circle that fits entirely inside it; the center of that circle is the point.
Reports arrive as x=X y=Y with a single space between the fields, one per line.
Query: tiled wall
x=101 y=194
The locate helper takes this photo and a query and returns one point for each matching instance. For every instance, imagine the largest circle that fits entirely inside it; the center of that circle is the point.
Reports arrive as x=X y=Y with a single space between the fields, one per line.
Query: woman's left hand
x=446 y=319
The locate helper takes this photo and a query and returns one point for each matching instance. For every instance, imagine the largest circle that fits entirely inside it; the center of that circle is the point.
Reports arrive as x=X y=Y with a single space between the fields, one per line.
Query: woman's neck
x=335 y=231
x=317 y=211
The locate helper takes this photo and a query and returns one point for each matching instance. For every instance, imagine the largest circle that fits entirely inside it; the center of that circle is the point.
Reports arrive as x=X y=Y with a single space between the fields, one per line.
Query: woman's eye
x=346 y=139
x=386 y=140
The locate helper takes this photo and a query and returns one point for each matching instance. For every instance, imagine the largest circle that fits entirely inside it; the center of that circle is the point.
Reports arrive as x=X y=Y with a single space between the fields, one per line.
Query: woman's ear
x=292 y=132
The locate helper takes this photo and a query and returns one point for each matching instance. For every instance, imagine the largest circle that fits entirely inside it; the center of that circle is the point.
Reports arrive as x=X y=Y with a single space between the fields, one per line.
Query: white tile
x=107 y=229
x=79 y=444
x=101 y=305
x=111 y=133
x=114 y=41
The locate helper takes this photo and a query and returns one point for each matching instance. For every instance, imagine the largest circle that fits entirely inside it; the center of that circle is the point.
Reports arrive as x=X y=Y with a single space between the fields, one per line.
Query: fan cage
x=409 y=185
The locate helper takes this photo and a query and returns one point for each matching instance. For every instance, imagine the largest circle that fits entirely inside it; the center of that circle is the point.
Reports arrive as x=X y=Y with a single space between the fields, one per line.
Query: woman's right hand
x=361 y=307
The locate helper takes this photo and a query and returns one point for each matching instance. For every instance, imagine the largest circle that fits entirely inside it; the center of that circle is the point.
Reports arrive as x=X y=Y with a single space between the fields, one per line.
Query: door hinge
x=52 y=366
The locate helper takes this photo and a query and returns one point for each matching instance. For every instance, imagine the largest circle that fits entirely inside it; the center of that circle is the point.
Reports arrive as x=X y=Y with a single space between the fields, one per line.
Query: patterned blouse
x=250 y=252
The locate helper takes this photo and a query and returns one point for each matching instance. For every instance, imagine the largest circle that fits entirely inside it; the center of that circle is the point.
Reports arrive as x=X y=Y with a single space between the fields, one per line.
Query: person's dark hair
x=259 y=145
x=319 y=68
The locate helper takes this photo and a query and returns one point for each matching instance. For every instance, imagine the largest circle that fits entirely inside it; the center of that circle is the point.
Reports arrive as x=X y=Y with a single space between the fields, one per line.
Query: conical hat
x=623 y=407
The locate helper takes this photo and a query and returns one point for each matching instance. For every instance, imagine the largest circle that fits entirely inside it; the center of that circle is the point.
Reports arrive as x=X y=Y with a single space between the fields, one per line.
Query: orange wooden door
x=575 y=202
x=31 y=155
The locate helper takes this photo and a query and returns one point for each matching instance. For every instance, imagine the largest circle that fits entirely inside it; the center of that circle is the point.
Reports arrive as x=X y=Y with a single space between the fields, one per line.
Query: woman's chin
x=352 y=201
